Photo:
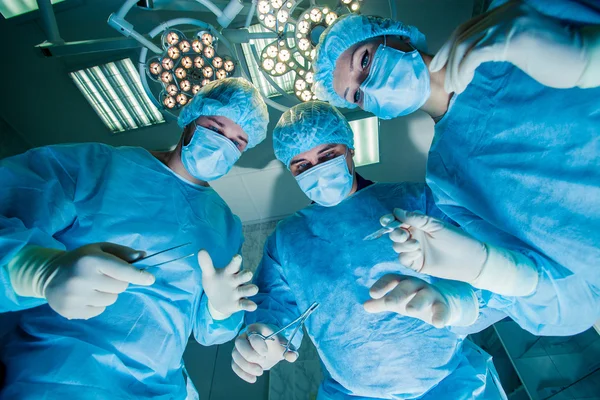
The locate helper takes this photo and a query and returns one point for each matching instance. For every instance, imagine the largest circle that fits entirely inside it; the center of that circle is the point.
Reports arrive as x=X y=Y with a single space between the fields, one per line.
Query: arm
x=224 y=300
x=36 y=202
x=551 y=51
x=277 y=307
x=276 y=303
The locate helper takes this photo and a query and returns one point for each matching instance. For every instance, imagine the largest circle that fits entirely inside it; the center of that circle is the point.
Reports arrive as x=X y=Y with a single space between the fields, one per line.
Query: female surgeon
x=72 y=220
x=515 y=162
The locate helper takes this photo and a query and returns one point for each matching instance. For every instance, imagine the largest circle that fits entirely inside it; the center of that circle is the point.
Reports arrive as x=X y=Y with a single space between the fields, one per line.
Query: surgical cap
x=308 y=125
x=234 y=98
x=344 y=33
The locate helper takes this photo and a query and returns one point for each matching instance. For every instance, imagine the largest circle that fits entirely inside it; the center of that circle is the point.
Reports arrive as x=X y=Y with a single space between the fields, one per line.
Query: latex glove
x=77 y=284
x=440 y=305
x=550 y=52
x=226 y=288
x=433 y=247
x=253 y=355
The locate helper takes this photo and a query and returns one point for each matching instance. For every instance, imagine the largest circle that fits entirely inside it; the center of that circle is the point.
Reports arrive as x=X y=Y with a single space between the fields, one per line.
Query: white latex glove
x=226 y=288
x=77 y=284
x=440 y=305
x=551 y=53
x=253 y=355
x=433 y=247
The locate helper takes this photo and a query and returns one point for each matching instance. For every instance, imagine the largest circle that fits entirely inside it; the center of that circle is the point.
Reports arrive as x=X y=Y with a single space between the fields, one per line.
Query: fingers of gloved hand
x=247 y=290
x=243 y=346
x=399 y=235
x=100 y=299
x=243 y=277
x=412 y=260
x=388 y=219
x=84 y=312
x=418 y=220
x=205 y=263
x=247 y=305
x=123 y=252
x=383 y=285
x=120 y=270
x=243 y=375
x=407 y=246
x=440 y=314
x=234 y=265
x=259 y=345
x=421 y=301
x=246 y=366
x=290 y=356
x=395 y=299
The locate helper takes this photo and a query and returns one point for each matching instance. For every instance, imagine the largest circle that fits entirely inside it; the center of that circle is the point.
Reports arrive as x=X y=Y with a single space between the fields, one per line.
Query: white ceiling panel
x=233 y=191
x=275 y=193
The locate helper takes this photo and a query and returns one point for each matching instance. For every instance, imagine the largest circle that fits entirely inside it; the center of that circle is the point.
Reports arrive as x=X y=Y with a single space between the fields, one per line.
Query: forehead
x=341 y=75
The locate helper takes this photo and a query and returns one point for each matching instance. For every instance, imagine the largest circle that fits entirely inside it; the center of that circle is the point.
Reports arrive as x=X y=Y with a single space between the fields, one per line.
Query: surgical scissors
x=161 y=252
x=300 y=321
x=383 y=231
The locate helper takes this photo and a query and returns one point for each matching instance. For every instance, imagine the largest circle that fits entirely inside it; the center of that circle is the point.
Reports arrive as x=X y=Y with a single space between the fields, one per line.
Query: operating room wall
x=11 y=142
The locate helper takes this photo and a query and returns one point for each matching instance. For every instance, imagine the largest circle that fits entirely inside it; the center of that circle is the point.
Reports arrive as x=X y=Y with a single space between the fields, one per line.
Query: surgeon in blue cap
x=72 y=220
x=515 y=157
x=382 y=331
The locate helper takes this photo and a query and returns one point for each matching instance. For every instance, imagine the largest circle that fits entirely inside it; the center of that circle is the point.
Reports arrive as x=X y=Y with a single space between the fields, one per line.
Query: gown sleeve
x=276 y=302
x=36 y=203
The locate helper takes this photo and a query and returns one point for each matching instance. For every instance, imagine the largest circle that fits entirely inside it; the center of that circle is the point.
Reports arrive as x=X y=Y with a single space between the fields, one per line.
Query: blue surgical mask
x=398 y=83
x=327 y=184
x=209 y=155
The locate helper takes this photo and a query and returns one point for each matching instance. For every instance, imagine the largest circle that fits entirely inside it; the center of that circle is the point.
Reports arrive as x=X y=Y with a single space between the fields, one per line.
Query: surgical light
x=180 y=73
x=270 y=21
x=197 y=46
x=186 y=62
x=155 y=68
x=263 y=7
x=185 y=85
x=196 y=89
x=207 y=71
x=207 y=39
x=209 y=52
x=182 y=99
x=167 y=63
x=229 y=66
x=198 y=62
x=221 y=74
x=272 y=51
x=172 y=90
x=276 y=3
x=166 y=77
x=169 y=102
x=172 y=38
x=184 y=46
x=173 y=52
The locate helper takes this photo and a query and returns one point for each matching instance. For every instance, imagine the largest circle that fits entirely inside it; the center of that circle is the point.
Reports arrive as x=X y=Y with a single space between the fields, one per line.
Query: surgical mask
x=209 y=155
x=327 y=184
x=398 y=83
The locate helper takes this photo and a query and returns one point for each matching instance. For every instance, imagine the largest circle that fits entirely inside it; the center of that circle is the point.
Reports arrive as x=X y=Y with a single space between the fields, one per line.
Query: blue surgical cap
x=344 y=33
x=234 y=98
x=308 y=125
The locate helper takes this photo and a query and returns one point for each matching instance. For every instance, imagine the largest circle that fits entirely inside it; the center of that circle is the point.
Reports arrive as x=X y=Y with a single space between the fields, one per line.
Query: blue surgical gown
x=517 y=164
x=318 y=255
x=68 y=196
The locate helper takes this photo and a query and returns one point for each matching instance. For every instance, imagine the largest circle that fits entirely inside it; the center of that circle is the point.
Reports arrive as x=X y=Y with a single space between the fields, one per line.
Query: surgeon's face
x=318 y=155
x=223 y=126
x=354 y=65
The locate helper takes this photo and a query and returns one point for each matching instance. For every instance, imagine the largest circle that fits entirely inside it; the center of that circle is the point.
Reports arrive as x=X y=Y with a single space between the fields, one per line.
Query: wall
x=11 y=143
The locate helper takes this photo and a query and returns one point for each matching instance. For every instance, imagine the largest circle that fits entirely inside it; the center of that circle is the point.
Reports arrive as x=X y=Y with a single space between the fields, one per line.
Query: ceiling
x=43 y=105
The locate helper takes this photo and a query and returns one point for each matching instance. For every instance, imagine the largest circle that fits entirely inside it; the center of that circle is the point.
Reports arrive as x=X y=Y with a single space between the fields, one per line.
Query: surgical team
x=506 y=224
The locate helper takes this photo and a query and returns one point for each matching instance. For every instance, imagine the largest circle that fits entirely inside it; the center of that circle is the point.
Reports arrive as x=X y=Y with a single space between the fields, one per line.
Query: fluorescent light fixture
x=366 y=141
x=12 y=8
x=115 y=92
x=285 y=82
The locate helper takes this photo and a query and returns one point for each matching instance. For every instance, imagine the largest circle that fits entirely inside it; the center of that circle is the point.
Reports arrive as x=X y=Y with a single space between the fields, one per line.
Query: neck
x=172 y=159
x=437 y=104
x=354 y=184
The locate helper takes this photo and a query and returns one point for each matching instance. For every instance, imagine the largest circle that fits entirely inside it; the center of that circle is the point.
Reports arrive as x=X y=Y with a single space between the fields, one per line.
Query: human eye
x=364 y=61
x=357 y=96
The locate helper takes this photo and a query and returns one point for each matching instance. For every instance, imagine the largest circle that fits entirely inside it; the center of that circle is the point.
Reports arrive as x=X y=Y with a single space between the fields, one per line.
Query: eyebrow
x=243 y=139
x=297 y=161
x=329 y=147
x=213 y=119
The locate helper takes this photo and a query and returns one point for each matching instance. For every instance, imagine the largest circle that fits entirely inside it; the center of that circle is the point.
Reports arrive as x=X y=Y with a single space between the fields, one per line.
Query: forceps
x=383 y=231
x=164 y=262
x=300 y=321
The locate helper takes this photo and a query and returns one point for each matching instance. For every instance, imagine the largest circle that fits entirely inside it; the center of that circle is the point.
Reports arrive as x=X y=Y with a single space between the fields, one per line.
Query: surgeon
x=73 y=218
x=381 y=330
x=514 y=162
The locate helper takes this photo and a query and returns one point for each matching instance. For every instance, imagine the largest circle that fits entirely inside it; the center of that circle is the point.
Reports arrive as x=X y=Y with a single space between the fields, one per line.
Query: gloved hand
x=78 y=284
x=433 y=247
x=550 y=52
x=226 y=288
x=253 y=355
x=440 y=305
